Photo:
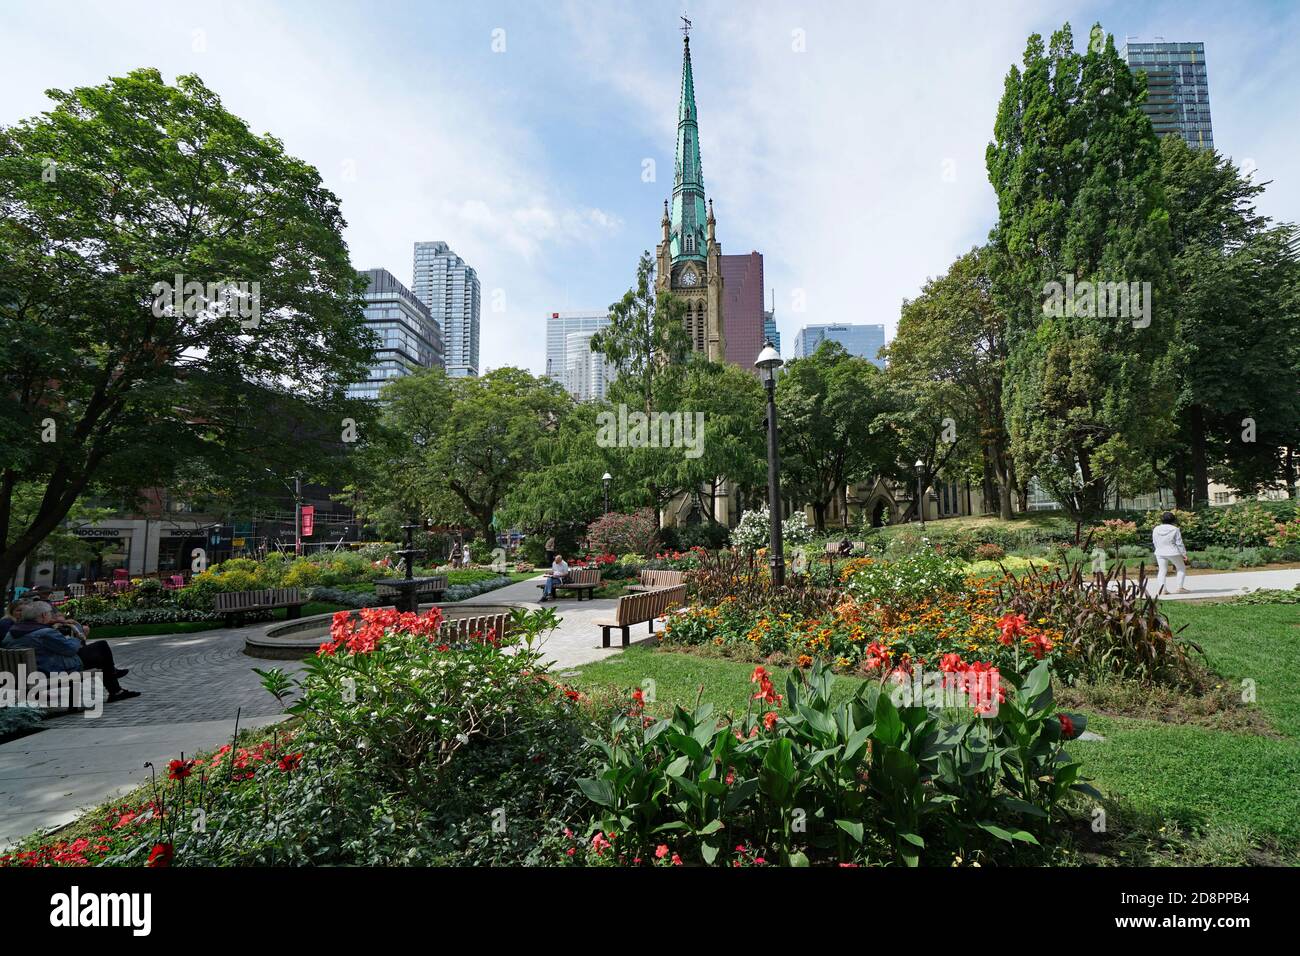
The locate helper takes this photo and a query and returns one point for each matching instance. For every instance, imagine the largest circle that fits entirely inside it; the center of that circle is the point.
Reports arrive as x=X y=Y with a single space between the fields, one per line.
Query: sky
x=843 y=141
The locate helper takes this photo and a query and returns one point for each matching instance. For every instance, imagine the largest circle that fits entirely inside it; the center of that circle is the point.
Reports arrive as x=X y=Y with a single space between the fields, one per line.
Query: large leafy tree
x=1237 y=358
x=105 y=382
x=452 y=449
x=831 y=407
x=947 y=361
x=1076 y=167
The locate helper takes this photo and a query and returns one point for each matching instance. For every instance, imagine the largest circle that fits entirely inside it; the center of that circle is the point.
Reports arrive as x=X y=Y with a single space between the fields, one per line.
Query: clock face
x=689 y=278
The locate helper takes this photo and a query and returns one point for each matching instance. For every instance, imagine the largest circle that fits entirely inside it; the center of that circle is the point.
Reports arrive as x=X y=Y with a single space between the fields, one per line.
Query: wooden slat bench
x=653 y=580
x=235 y=604
x=465 y=628
x=639 y=609
x=580 y=580
x=431 y=589
x=22 y=661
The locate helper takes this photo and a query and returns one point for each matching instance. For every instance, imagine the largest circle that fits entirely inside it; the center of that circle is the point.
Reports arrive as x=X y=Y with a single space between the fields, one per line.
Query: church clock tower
x=689 y=259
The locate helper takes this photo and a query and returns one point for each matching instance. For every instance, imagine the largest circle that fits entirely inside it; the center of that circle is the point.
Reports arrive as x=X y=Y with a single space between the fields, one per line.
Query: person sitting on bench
x=558 y=574
x=59 y=651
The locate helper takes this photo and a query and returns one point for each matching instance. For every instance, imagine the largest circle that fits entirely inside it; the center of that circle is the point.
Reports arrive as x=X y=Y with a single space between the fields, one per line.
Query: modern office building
x=408 y=335
x=742 y=308
x=865 y=341
x=1178 y=90
x=586 y=373
x=450 y=289
x=569 y=359
x=770 y=333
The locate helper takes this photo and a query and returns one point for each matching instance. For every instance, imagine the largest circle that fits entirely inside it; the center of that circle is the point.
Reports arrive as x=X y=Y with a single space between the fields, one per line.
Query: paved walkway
x=1229 y=583
x=192 y=685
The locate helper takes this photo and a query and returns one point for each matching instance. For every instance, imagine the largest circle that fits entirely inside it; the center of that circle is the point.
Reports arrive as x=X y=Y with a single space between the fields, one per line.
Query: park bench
x=235 y=604
x=640 y=609
x=466 y=628
x=579 y=580
x=22 y=661
x=431 y=588
x=653 y=580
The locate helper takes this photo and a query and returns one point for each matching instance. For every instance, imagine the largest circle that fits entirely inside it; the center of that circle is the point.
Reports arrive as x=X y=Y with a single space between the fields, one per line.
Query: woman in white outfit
x=1167 y=540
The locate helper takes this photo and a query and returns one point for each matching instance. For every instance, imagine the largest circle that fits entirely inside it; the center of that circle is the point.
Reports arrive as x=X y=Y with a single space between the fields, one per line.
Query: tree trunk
x=819 y=515
x=1200 y=471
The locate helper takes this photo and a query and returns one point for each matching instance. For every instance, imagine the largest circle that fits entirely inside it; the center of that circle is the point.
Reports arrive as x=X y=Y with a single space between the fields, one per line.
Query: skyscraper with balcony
x=1178 y=89
x=409 y=338
x=450 y=289
x=864 y=341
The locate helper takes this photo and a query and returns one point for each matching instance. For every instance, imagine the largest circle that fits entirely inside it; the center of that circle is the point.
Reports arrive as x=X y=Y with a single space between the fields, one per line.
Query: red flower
x=1067 y=726
x=161 y=855
x=769 y=720
x=661 y=851
x=1011 y=626
x=1039 y=645
x=180 y=769
x=290 y=762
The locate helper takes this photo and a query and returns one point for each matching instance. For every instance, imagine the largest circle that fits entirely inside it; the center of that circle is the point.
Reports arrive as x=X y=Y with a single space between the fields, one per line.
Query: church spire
x=688 y=212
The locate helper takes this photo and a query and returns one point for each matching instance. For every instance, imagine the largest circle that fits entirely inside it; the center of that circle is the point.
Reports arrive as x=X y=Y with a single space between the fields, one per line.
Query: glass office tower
x=1178 y=89
x=450 y=289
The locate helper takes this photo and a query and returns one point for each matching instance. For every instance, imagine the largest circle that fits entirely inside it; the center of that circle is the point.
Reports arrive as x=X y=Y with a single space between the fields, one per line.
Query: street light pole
x=920 y=491
x=769 y=360
x=605 y=480
x=297 y=514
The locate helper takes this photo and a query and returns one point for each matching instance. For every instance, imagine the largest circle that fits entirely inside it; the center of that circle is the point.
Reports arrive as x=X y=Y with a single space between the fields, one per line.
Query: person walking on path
x=1167 y=540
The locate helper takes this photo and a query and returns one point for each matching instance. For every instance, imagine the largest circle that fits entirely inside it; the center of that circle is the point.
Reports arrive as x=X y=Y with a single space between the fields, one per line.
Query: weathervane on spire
x=686 y=28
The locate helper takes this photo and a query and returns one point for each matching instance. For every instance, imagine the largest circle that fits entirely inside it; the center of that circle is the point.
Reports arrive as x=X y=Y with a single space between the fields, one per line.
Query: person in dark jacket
x=59 y=652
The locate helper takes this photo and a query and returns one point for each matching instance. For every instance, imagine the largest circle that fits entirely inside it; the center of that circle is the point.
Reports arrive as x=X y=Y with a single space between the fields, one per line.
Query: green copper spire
x=688 y=215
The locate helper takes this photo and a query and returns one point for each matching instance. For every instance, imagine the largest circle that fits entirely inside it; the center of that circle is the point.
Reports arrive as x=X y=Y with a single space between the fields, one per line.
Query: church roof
x=688 y=211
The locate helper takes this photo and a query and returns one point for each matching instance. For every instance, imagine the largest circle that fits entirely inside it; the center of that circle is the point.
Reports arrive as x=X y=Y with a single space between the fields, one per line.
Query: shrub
x=18 y=720
x=1108 y=621
x=706 y=534
x=754 y=530
x=904 y=580
x=303 y=574
x=374 y=672
x=989 y=551
x=619 y=533
x=877 y=777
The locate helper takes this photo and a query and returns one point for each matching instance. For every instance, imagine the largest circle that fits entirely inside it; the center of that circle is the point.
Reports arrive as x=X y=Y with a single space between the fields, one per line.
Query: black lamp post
x=769 y=360
x=605 y=480
x=920 y=491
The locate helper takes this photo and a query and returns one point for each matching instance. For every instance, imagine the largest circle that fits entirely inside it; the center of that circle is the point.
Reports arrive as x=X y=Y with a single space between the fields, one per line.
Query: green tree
x=1236 y=355
x=116 y=189
x=947 y=361
x=830 y=409
x=1088 y=395
x=645 y=340
x=647 y=344
x=452 y=449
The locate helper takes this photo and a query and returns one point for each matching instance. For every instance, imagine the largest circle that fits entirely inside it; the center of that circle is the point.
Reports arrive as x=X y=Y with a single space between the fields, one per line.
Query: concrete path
x=1229 y=583
x=577 y=639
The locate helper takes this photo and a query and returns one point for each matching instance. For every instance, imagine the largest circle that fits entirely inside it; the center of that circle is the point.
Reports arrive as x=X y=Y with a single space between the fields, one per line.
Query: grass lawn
x=1188 y=774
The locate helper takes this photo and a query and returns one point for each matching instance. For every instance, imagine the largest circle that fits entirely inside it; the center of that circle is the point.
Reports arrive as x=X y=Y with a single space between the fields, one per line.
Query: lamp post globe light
x=769 y=360
x=605 y=480
x=920 y=491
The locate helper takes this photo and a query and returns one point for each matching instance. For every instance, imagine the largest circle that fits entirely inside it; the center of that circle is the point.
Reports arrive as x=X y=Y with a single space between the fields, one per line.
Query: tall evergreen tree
x=1075 y=164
